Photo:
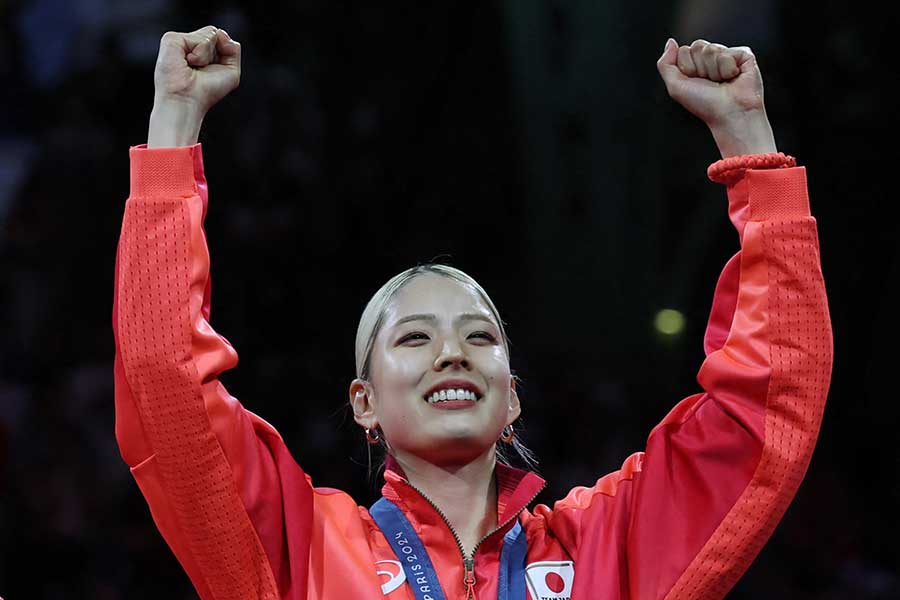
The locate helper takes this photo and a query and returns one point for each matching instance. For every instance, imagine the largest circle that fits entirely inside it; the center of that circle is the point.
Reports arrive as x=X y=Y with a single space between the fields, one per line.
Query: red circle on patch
x=554 y=582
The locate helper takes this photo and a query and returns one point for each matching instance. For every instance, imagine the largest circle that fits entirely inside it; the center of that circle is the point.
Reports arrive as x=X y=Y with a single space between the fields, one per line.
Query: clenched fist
x=202 y=66
x=722 y=86
x=193 y=71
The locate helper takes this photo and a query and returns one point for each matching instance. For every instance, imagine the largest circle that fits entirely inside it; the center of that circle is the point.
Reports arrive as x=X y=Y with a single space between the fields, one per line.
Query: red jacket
x=683 y=519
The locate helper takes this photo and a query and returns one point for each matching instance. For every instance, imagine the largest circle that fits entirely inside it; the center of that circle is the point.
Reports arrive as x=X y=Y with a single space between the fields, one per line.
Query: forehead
x=435 y=294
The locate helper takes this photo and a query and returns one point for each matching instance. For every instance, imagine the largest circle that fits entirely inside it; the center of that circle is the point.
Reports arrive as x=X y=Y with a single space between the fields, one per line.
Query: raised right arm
x=217 y=478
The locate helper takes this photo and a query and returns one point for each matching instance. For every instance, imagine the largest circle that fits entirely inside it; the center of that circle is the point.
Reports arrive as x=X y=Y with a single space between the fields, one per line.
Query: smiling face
x=437 y=333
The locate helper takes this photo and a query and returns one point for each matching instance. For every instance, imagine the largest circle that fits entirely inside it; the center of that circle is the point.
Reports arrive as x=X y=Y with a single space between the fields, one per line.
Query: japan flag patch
x=550 y=580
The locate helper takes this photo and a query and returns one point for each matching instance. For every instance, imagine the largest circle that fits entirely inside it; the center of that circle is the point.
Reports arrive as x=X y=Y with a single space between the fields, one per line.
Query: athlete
x=682 y=519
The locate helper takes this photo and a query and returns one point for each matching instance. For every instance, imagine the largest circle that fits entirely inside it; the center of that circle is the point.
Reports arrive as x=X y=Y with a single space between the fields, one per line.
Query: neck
x=465 y=493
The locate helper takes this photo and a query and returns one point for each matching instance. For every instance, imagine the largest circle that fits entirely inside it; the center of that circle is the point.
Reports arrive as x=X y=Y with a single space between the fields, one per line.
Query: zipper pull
x=469 y=563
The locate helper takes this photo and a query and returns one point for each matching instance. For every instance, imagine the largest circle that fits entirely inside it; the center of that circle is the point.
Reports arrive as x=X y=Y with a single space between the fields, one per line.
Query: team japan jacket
x=682 y=519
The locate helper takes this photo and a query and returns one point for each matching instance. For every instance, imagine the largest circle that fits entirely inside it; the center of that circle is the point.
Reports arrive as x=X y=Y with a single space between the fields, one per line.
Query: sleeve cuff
x=762 y=187
x=165 y=172
x=777 y=194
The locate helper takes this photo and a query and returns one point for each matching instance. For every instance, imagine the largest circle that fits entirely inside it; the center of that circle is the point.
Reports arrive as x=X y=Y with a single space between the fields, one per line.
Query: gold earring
x=372 y=436
x=508 y=434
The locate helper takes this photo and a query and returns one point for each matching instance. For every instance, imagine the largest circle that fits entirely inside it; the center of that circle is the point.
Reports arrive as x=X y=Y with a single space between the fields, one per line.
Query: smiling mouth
x=452 y=395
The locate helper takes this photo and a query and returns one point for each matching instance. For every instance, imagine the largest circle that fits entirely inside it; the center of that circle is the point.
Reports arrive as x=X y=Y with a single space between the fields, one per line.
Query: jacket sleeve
x=689 y=514
x=220 y=483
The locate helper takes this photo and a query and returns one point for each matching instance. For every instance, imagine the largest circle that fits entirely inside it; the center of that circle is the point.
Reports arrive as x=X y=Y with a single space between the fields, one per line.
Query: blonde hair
x=372 y=320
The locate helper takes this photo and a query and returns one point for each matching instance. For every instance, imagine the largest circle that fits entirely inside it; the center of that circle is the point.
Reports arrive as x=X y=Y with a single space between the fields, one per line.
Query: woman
x=681 y=520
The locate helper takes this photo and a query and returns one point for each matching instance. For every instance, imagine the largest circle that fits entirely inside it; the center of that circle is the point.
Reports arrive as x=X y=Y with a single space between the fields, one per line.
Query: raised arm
x=217 y=478
x=685 y=518
x=723 y=466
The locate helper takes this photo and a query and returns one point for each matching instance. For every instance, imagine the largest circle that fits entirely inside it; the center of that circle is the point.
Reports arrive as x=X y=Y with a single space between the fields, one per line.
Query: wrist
x=748 y=133
x=174 y=122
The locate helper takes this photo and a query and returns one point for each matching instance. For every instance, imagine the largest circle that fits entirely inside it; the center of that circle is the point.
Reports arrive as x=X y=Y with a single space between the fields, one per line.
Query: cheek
x=496 y=367
x=398 y=369
x=396 y=373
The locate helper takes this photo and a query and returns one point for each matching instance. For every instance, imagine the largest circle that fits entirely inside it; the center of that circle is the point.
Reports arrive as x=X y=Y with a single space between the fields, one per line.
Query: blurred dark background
x=531 y=144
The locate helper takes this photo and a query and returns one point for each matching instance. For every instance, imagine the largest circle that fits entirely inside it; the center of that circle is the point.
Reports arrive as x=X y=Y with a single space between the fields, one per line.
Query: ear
x=361 y=400
x=515 y=409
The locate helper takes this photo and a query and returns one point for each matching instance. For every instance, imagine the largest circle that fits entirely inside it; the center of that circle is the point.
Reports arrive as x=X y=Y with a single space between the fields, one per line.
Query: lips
x=451 y=404
x=454 y=384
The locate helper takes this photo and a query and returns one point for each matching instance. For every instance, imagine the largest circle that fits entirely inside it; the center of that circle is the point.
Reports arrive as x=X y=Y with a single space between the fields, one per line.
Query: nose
x=451 y=355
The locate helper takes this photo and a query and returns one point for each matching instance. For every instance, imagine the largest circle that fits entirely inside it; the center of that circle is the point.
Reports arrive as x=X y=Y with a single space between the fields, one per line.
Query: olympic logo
x=396 y=576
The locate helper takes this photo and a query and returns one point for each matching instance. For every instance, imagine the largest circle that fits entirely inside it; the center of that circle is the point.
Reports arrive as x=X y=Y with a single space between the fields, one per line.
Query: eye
x=483 y=335
x=414 y=336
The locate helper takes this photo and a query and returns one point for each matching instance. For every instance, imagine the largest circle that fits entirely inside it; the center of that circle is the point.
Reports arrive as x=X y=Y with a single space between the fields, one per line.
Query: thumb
x=228 y=49
x=667 y=65
x=670 y=53
x=745 y=59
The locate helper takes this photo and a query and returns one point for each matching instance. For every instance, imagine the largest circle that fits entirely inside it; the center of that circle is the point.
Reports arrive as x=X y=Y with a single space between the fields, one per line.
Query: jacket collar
x=516 y=488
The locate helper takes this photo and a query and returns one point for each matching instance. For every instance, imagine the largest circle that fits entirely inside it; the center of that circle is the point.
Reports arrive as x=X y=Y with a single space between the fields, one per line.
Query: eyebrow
x=431 y=317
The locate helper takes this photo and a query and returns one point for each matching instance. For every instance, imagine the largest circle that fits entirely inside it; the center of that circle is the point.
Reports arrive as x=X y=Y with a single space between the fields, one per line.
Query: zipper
x=469 y=580
x=469 y=562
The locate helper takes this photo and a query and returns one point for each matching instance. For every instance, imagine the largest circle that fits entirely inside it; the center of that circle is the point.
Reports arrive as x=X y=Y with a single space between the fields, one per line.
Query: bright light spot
x=669 y=321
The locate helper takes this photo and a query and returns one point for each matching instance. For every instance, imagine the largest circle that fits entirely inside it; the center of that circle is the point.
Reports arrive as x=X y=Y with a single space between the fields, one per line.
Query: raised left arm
x=685 y=518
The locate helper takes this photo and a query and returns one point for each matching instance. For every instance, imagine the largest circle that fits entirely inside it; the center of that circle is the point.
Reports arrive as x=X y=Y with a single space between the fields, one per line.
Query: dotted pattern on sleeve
x=155 y=326
x=800 y=351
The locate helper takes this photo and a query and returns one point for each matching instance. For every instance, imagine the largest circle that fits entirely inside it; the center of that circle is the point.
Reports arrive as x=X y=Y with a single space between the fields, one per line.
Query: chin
x=455 y=444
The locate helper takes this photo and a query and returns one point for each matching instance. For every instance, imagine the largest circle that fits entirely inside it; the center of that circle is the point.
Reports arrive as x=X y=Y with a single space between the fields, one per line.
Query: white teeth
x=459 y=394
